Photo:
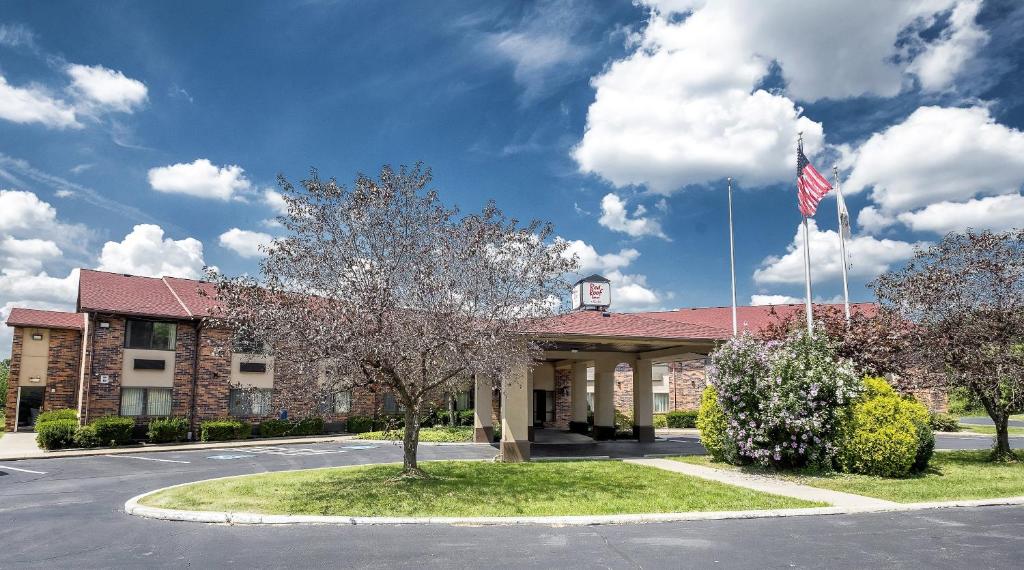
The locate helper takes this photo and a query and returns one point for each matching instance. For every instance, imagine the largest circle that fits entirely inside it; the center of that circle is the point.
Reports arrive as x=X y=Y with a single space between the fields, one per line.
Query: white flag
x=844 y=215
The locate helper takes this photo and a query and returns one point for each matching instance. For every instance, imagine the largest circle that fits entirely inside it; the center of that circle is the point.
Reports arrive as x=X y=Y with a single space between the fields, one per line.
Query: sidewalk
x=766 y=484
x=15 y=446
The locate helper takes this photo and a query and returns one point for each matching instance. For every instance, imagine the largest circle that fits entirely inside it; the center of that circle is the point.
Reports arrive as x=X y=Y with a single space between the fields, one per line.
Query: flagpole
x=807 y=251
x=732 y=263
x=842 y=242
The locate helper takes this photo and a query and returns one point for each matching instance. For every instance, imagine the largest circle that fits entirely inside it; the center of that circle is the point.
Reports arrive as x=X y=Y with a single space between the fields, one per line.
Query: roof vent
x=592 y=293
x=606 y=314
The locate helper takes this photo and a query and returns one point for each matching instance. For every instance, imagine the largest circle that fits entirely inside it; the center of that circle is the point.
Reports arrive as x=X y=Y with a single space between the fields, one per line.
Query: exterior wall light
x=37 y=336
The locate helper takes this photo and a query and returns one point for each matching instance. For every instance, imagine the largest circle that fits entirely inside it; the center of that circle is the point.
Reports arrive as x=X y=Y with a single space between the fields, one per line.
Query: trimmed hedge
x=682 y=419
x=309 y=426
x=944 y=422
x=660 y=421
x=224 y=430
x=886 y=434
x=114 y=430
x=56 y=434
x=359 y=424
x=86 y=437
x=274 y=428
x=64 y=414
x=167 y=430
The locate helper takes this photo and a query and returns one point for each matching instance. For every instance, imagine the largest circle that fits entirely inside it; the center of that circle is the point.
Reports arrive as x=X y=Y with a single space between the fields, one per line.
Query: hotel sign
x=591 y=295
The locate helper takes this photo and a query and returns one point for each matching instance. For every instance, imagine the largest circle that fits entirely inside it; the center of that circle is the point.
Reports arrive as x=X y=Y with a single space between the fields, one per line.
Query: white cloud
x=20 y=210
x=593 y=262
x=868 y=257
x=246 y=243
x=26 y=254
x=275 y=201
x=994 y=212
x=105 y=89
x=939 y=154
x=200 y=178
x=32 y=104
x=941 y=60
x=874 y=221
x=774 y=300
x=145 y=251
x=615 y=217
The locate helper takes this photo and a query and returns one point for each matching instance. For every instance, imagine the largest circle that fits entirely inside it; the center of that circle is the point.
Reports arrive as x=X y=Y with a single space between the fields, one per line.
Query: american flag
x=811 y=185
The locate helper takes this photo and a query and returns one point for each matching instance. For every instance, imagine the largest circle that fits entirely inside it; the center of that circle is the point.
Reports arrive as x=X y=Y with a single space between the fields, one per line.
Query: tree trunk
x=410 y=442
x=452 y=419
x=1002 y=451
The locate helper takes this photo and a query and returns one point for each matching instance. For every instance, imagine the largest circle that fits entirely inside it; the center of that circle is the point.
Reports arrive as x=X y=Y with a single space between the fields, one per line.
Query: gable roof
x=102 y=292
x=45 y=319
x=753 y=318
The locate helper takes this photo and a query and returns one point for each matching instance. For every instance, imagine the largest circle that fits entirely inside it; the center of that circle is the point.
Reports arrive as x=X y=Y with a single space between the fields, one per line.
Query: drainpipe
x=197 y=327
x=83 y=417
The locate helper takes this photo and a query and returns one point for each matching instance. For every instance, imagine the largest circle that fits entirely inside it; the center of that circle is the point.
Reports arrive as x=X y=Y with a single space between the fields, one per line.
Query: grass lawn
x=434 y=434
x=471 y=488
x=991 y=430
x=951 y=475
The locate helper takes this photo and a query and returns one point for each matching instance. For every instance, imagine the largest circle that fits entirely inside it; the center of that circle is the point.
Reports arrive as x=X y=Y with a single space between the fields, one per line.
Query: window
x=249 y=402
x=464 y=400
x=549 y=406
x=391 y=405
x=343 y=402
x=145 y=401
x=248 y=344
x=660 y=403
x=590 y=402
x=149 y=335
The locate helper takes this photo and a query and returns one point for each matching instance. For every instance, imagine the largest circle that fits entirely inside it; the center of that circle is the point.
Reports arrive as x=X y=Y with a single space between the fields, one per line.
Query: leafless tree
x=383 y=287
x=965 y=299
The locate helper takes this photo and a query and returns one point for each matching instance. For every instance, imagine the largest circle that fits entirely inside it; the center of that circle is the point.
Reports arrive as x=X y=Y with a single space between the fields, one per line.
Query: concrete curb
x=132 y=507
x=165 y=447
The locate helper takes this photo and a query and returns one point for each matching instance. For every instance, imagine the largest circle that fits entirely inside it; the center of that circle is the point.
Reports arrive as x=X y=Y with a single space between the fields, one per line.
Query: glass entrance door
x=30 y=403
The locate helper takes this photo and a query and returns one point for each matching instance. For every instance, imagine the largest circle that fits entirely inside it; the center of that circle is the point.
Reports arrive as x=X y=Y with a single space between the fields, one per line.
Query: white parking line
x=22 y=470
x=147 y=458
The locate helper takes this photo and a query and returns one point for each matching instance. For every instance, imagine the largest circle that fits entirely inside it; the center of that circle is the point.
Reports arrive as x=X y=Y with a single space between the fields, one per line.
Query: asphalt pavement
x=68 y=512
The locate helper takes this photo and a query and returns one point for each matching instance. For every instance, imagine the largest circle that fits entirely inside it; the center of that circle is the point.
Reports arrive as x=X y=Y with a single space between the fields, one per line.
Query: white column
x=604 y=399
x=578 y=393
x=515 y=419
x=643 y=401
x=483 y=409
x=530 y=404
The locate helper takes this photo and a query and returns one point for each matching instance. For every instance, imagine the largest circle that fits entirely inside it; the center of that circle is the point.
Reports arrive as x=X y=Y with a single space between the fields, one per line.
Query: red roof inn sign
x=592 y=293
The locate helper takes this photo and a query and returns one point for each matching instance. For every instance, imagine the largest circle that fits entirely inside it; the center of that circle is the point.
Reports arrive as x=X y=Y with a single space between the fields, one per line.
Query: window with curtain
x=145 y=401
x=660 y=403
x=149 y=335
x=248 y=402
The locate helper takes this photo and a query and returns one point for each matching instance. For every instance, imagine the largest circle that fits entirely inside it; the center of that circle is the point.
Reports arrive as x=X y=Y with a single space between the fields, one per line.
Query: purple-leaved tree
x=964 y=300
x=381 y=286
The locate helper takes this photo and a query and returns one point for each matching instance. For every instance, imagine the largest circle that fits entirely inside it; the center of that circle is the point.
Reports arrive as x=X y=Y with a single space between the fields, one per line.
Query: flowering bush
x=783 y=401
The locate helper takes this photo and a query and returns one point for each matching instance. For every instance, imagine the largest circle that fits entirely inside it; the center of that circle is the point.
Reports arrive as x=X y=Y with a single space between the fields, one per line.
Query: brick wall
x=686 y=382
x=11 y=409
x=184 y=364
x=563 y=397
x=213 y=374
x=624 y=389
x=107 y=345
x=62 y=372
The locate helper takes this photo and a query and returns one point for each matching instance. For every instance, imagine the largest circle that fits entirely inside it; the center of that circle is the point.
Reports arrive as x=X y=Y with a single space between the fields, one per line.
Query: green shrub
x=56 y=434
x=660 y=421
x=445 y=434
x=963 y=402
x=309 y=426
x=944 y=422
x=359 y=424
x=466 y=417
x=86 y=436
x=274 y=428
x=65 y=414
x=114 y=430
x=886 y=434
x=712 y=425
x=682 y=419
x=624 y=421
x=167 y=430
x=224 y=430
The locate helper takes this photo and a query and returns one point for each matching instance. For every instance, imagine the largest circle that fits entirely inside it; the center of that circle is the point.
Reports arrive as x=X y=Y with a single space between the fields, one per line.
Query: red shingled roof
x=595 y=323
x=187 y=291
x=753 y=318
x=45 y=319
x=127 y=294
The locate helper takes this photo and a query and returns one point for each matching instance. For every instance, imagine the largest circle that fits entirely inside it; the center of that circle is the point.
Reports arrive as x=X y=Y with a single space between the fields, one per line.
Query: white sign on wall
x=591 y=294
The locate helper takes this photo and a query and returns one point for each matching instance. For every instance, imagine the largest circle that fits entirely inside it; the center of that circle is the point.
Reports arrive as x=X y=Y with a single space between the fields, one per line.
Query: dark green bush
x=56 y=434
x=887 y=435
x=65 y=414
x=167 y=430
x=963 y=402
x=224 y=430
x=309 y=426
x=274 y=428
x=114 y=430
x=86 y=437
x=466 y=417
x=944 y=422
x=359 y=424
x=712 y=424
x=681 y=419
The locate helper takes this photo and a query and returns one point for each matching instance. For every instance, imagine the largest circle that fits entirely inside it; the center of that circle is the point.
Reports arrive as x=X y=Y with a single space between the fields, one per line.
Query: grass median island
x=470 y=488
x=1013 y=431
x=951 y=475
x=458 y=434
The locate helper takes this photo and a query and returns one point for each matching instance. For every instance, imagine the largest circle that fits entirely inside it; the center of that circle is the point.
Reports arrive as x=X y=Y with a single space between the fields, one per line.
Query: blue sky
x=146 y=137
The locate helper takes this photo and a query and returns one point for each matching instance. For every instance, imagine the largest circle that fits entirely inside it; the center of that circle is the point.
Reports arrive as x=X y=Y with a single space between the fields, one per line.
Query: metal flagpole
x=807 y=250
x=732 y=263
x=840 y=206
